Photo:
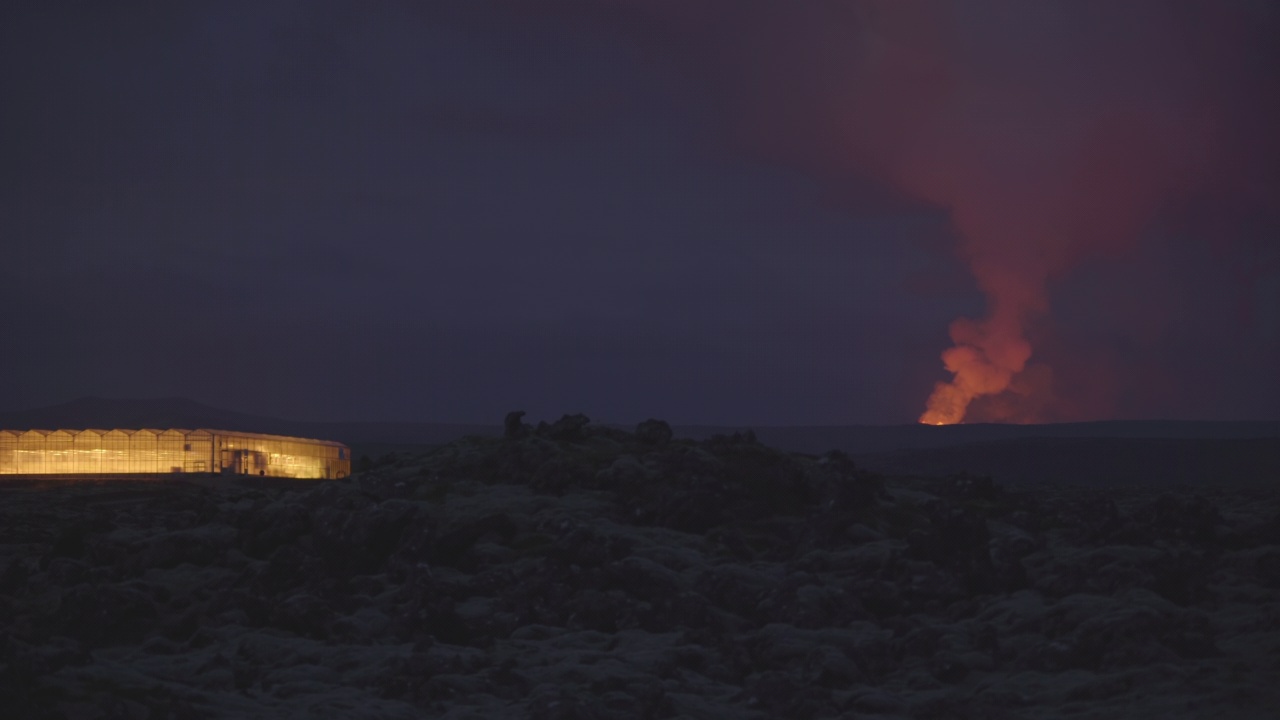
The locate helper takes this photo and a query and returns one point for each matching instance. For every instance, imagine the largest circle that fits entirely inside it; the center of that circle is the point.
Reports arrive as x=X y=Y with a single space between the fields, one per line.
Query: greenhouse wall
x=149 y=451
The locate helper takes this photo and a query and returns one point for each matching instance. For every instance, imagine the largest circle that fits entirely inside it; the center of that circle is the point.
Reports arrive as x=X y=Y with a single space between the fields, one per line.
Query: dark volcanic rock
x=948 y=667
x=968 y=487
x=70 y=543
x=360 y=541
x=268 y=528
x=452 y=549
x=1098 y=634
x=959 y=541
x=560 y=474
x=584 y=571
x=1192 y=519
x=15 y=576
x=104 y=615
x=303 y=614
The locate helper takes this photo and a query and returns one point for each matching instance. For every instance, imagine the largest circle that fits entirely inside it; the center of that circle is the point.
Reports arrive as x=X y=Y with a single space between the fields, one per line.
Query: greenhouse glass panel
x=115 y=452
x=8 y=449
x=58 y=452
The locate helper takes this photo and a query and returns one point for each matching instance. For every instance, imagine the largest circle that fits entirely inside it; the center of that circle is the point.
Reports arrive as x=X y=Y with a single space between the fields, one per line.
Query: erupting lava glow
x=984 y=361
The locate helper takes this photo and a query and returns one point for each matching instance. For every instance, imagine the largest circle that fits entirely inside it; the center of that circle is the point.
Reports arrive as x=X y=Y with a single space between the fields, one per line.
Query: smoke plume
x=1056 y=133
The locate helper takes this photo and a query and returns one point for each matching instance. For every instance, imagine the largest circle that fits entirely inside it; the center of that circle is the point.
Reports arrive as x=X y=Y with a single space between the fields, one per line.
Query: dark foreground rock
x=572 y=571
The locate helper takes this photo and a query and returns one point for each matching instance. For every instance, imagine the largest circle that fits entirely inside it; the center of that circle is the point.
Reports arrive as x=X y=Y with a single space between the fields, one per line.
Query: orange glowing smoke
x=984 y=361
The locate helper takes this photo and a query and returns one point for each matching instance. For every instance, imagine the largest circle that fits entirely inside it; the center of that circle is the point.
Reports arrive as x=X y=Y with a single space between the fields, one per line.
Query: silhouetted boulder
x=512 y=426
x=569 y=428
x=654 y=432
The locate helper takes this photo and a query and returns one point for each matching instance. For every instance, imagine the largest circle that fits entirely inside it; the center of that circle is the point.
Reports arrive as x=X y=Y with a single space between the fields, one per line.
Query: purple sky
x=706 y=211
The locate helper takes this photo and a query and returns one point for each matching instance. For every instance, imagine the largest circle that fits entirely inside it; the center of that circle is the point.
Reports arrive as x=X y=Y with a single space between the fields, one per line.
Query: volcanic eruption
x=1058 y=137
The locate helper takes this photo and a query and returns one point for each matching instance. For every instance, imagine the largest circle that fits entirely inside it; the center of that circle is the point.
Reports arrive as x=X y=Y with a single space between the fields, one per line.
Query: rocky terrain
x=571 y=571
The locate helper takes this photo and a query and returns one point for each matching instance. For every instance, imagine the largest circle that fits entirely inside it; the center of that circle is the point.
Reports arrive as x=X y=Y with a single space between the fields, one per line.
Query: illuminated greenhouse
x=149 y=451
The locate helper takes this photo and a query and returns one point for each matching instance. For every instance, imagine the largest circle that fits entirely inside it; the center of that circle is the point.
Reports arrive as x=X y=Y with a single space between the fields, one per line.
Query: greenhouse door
x=235 y=461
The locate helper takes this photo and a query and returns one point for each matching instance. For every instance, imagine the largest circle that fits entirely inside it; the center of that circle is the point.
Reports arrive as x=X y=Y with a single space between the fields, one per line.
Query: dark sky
x=715 y=211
